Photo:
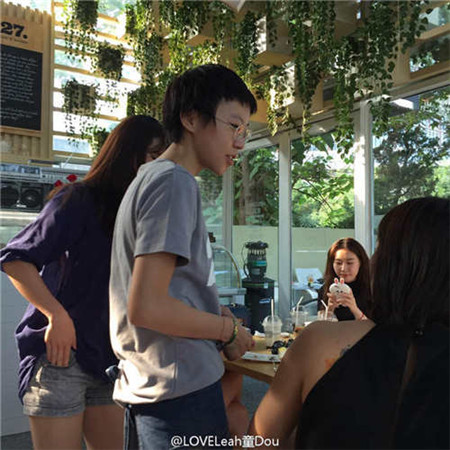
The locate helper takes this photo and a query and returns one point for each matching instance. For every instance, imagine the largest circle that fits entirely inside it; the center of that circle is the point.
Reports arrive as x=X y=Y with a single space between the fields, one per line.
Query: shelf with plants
x=282 y=49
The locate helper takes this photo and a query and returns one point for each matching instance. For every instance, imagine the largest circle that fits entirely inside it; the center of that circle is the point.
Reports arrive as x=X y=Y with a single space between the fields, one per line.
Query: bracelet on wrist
x=362 y=316
x=235 y=332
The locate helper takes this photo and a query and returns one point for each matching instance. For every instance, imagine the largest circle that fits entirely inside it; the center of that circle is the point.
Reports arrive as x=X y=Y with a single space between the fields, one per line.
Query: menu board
x=21 y=88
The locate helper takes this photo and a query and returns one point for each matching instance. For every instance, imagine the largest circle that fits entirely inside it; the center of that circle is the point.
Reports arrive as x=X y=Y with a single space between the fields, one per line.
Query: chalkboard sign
x=21 y=88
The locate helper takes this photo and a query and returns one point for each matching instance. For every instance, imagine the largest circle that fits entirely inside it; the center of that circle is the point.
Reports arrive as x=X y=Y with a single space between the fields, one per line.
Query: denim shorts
x=196 y=420
x=63 y=391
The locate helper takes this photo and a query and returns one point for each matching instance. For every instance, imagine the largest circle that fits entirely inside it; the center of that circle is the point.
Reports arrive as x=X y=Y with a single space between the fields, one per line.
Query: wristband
x=235 y=332
x=362 y=316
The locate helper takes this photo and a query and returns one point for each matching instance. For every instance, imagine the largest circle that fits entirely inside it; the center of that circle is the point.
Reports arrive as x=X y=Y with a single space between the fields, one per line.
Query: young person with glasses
x=167 y=326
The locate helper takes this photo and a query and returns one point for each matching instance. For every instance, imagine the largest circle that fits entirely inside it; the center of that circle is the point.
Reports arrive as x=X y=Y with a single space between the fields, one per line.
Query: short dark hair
x=362 y=281
x=201 y=89
x=410 y=266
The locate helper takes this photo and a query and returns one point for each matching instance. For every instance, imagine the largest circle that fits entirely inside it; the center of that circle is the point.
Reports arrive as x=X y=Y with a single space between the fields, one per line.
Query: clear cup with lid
x=272 y=329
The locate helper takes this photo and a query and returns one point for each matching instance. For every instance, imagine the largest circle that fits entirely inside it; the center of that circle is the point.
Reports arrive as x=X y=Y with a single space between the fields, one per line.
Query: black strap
x=130 y=439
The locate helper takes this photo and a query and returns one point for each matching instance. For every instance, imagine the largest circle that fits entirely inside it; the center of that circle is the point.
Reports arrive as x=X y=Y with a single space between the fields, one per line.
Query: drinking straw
x=326 y=309
x=296 y=310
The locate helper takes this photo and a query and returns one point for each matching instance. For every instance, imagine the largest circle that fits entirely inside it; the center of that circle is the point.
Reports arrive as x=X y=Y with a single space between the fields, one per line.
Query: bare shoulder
x=334 y=334
x=321 y=344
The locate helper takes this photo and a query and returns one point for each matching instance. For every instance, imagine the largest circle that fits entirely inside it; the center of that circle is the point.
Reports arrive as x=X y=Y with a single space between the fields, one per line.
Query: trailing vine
x=244 y=41
x=272 y=12
x=361 y=64
x=144 y=35
x=187 y=17
x=79 y=106
x=109 y=60
x=222 y=18
x=80 y=21
x=310 y=26
x=98 y=138
x=276 y=90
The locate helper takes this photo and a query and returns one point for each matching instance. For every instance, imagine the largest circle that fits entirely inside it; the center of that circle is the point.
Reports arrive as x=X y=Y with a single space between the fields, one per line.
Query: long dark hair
x=117 y=163
x=410 y=266
x=361 y=285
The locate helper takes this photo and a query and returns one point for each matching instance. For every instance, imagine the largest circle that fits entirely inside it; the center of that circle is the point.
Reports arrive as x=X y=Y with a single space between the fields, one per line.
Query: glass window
x=212 y=200
x=65 y=144
x=322 y=211
x=412 y=155
x=438 y=17
x=111 y=100
x=255 y=228
x=255 y=215
x=430 y=53
x=113 y=8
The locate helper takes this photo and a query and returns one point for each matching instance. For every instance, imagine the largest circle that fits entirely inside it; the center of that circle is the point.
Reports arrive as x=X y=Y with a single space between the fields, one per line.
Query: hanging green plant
x=276 y=90
x=206 y=53
x=98 y=138
x=222 y=18
x=311 y=30
x=109 y=60
x=144 y=34
x=79 y=98
x=361 y=64
x=389 y=28
x=245 y=43
x=186 y=17
x=80 y=21
x=273 y=11
x=79 y=106
x=148 y=98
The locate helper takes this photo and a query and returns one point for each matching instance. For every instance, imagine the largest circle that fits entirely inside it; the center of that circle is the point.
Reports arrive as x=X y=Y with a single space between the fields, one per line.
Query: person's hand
x=59 y=338
x=332 y=302
x=347 y=299
x=242 y=343
x=224 y=311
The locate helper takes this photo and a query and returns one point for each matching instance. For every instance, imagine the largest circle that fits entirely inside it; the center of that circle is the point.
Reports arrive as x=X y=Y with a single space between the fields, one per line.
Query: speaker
x=23 y=195
x=257 y=300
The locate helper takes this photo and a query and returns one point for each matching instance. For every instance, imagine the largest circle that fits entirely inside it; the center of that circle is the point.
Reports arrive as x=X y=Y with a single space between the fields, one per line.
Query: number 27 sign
x=13 y=29
x=22 y=33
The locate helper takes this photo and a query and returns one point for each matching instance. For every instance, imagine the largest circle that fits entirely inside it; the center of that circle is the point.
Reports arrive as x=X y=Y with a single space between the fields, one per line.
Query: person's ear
x=189 y=120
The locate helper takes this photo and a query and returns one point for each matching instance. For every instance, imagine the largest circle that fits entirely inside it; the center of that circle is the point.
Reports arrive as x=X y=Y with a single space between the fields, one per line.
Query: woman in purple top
x=60 y=263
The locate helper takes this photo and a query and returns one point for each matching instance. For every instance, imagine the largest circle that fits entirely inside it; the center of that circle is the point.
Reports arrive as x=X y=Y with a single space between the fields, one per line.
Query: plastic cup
x=330 y=316
x=272 y=329
x=299 y=317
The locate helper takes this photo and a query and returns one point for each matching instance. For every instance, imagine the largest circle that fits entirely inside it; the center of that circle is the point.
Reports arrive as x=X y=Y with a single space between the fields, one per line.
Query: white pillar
x=284 y=227
x=363 y=178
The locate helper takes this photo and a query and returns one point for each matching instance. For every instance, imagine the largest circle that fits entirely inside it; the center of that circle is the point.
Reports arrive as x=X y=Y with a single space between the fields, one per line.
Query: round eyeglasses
x=241 y=132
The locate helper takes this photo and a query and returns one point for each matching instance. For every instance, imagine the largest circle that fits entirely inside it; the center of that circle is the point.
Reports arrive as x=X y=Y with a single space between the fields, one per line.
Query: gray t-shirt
x=161 y=212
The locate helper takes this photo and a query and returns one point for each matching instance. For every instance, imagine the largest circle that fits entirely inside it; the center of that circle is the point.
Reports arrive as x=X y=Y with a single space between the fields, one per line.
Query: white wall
x=12 y=308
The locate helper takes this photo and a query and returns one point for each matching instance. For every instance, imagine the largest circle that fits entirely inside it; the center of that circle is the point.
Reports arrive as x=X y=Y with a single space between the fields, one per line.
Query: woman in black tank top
x=382 y=383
